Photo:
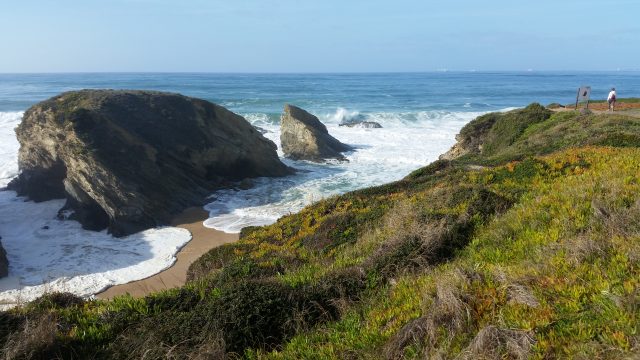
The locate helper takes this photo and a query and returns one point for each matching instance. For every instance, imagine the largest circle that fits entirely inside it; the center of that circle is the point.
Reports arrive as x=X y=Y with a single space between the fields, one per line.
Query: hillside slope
x=525 y=245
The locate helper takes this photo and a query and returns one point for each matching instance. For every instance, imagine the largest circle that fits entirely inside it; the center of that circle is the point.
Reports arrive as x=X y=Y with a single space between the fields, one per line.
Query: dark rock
x=363 y=124
x=245 y=184
x=261 y=130
x=4 y=263
x=304 y=137
x=129 y=160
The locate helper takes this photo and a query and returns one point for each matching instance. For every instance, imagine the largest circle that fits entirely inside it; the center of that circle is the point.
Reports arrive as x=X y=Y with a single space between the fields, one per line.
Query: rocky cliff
x=304 y=137
x=489 y=133
x=129 y=160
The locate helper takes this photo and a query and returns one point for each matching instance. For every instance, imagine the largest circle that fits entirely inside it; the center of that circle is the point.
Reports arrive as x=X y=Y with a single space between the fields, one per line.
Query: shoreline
x=202 y=240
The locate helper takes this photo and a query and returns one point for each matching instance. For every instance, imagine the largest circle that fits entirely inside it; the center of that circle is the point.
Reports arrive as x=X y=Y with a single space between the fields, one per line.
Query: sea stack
x=304 y=137
x=130 y=160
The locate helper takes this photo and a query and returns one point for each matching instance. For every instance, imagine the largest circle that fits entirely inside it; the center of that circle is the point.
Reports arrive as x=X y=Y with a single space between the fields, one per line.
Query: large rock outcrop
x=304 y=137
x=4 y=263
x=491 y=133
x=129 y=160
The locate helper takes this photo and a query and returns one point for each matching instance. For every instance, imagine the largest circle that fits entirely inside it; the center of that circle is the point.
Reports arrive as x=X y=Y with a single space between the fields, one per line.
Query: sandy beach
x=203 y=240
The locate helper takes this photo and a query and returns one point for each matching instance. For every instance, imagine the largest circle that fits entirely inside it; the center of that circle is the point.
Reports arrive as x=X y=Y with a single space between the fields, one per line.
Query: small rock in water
x=261 y=130
x=363 y=124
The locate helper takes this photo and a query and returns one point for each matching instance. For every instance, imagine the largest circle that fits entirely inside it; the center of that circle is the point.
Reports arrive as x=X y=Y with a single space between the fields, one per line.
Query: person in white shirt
x=611 y=99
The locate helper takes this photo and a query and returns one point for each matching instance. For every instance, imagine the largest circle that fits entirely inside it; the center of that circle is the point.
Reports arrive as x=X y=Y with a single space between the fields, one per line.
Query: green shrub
x=10 y=323
x=181 y=299
x=55 y=300
x=214 y=259
x=617 y=140
x=509 y=126
x=248 y=230
x=335 y=229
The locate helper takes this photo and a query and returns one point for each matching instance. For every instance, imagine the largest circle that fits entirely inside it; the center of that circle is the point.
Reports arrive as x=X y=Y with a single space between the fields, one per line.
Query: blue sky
x=317 y=36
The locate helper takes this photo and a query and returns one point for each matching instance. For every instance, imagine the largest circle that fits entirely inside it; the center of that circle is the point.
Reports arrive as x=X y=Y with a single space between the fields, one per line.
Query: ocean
x=420 y=114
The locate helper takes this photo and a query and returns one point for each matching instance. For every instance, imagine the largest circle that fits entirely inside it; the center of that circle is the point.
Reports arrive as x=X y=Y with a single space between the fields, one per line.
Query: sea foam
x=8 y=146
x=407 y=141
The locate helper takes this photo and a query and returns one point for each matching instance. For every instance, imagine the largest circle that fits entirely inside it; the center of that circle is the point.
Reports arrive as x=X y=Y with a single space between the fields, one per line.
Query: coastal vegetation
x=526 y=245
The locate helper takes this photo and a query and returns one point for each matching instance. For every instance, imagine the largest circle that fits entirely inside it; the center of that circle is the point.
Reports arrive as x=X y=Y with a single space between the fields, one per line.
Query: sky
x=317 y=36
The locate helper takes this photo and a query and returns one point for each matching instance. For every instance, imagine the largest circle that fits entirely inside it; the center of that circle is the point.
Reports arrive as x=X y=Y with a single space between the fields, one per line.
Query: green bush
x=55 y=300
x=508 y=127
x=214 y=259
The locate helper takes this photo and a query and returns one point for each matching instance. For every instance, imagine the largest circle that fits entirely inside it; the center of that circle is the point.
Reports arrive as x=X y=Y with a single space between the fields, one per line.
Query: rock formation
x=463 y=146
x=488 y=132
x=4 y=263
x=304 y=137
x=129 y=160
x=363 y=124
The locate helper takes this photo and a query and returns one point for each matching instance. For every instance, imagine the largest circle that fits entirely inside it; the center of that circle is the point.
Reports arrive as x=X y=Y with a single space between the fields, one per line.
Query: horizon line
x=444 y=71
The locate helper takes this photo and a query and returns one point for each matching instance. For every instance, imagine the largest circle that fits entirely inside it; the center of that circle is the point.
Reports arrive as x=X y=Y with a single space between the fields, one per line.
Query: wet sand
x=203 y=239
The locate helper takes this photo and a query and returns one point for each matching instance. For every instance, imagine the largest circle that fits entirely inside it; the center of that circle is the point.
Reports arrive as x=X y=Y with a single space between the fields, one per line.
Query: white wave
x=343 y=116
x=406 y=142
x=258 y=119
x=8 y=146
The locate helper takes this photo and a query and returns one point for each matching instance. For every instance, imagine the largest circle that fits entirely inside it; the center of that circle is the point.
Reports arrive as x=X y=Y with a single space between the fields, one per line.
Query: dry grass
x=412 y=242
x=613 y=222
x=449 y=308
x=398 y=225
x=448 y=311
x=516 y=292
x=585 y=247
x=494 y=343
x=211 y=347
x=412 y=333
x=37 y=337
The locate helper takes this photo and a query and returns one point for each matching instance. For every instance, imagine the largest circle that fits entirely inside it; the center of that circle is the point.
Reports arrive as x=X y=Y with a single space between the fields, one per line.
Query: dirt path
x=630 y=109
